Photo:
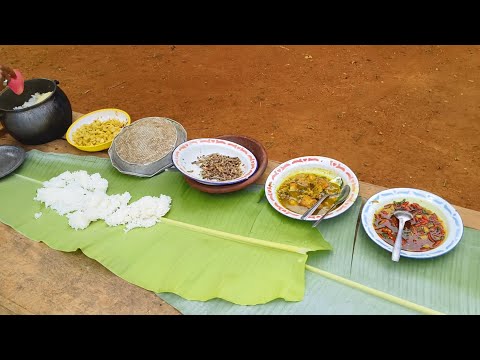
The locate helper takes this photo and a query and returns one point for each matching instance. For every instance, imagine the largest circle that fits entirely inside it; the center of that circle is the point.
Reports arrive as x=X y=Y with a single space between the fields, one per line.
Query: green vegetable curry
x=301 y=191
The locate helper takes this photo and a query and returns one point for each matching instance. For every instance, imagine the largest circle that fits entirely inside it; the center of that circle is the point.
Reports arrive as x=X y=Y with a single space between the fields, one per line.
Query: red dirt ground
x=399 y=116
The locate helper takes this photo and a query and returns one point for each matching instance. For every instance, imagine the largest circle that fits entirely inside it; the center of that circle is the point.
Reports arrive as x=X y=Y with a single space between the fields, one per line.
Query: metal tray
x=153 y=168
x=11 y=157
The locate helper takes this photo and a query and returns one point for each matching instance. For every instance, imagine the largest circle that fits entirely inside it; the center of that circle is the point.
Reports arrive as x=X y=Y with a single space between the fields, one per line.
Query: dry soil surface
x=398 y=116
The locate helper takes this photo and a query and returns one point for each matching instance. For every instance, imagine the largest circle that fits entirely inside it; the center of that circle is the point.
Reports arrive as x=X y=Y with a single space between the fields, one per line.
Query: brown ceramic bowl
x=256 y=148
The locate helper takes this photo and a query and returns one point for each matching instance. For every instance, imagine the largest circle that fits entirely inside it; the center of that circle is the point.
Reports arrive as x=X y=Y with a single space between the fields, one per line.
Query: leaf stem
x=239 y=238
x=28 y=178
x=374 y=292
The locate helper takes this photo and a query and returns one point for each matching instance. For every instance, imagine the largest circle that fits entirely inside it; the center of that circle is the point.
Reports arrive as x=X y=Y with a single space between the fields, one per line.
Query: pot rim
x=55 y=83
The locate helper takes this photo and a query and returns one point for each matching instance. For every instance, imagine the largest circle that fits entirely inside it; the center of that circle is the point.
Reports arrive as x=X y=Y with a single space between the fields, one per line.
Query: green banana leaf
x=322 y=296
x=230 y=246
x=448 y=284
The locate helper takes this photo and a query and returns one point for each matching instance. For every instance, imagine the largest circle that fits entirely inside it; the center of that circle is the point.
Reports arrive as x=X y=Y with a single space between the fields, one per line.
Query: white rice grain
x=83 y=199
x=145 y=212
x=34 y=99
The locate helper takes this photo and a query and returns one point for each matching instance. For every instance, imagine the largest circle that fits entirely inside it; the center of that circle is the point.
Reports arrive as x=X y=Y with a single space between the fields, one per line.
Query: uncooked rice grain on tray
x=144 y=142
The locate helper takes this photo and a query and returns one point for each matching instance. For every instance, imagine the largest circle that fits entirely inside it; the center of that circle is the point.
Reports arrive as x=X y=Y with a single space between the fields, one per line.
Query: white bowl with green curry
x=296 y=185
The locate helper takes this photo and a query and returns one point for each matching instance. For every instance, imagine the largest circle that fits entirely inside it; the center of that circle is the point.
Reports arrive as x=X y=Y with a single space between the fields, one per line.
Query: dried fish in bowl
x=219 y=167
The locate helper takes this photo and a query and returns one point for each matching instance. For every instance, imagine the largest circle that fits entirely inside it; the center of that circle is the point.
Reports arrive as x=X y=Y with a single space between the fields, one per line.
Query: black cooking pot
x=40 y=123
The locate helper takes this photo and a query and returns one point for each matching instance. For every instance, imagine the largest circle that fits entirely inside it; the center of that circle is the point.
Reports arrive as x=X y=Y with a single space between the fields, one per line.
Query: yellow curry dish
x=301 y=191
x=97 y=132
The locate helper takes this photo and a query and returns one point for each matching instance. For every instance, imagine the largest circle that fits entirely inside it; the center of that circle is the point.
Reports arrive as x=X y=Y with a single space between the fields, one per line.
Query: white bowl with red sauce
x=426 y=229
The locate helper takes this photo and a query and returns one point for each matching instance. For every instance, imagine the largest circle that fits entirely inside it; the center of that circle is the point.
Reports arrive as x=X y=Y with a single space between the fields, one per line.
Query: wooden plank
x=11 y=308
x=5 y=311
x=37 y=279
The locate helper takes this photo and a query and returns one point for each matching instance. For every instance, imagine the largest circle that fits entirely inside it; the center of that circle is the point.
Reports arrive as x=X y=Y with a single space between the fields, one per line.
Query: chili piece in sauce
x=424 y=232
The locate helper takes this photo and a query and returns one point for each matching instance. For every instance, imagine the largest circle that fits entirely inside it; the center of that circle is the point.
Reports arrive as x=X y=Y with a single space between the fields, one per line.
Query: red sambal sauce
x=424 y=232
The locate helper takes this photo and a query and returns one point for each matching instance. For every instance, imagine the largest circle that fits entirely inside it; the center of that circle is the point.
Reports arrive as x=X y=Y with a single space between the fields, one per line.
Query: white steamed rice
x=34 y=99
x=83 y=198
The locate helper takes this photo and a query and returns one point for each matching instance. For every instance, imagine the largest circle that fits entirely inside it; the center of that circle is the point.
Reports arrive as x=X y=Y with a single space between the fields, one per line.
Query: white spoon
x=403 y=217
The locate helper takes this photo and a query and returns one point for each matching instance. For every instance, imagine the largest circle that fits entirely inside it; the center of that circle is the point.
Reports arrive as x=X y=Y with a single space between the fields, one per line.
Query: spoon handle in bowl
x=398 y=241
x=314 y=207
x=323 y=215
